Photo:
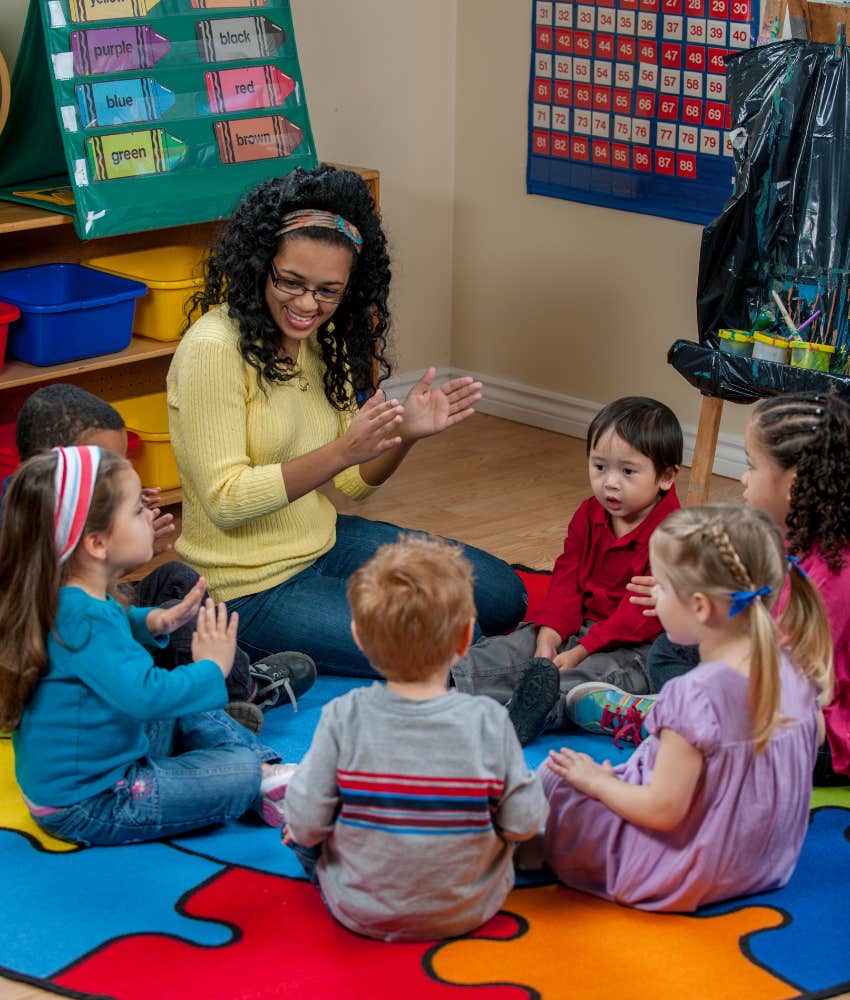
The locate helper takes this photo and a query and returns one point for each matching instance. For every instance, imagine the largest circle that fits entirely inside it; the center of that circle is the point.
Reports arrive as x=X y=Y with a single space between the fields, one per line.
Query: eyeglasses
x=294 y=289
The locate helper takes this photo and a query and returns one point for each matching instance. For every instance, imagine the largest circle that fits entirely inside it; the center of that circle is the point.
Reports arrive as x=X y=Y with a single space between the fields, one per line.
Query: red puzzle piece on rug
x=285 y=943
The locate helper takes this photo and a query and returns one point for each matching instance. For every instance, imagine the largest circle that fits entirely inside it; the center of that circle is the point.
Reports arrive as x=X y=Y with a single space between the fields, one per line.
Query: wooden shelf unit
x=37 y=236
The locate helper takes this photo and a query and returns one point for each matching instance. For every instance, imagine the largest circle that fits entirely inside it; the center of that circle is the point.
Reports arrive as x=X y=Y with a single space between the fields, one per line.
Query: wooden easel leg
x=706 y=444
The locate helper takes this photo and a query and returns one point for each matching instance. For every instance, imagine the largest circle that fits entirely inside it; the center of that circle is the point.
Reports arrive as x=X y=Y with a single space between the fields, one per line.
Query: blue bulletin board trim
x=540 y=180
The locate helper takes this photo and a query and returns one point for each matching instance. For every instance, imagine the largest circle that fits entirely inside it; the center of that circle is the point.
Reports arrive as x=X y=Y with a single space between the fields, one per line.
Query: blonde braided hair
x=720 y=549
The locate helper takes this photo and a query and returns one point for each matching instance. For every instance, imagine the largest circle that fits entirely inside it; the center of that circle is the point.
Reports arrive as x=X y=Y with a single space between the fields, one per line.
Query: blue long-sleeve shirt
x=86 y=721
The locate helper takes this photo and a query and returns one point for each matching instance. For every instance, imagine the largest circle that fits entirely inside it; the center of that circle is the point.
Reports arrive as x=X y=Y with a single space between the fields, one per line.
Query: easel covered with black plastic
x=784 y=235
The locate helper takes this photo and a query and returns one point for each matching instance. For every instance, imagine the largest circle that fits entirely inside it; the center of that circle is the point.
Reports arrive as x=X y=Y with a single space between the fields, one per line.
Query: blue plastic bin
x=68 y=312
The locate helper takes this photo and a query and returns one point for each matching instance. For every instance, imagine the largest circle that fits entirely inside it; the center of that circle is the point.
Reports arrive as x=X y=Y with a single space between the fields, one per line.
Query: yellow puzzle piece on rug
x=14 y=815
x=581 y=946
x=839 y=796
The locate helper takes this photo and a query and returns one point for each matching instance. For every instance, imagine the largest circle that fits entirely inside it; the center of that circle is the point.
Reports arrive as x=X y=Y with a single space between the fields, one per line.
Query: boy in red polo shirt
x=587 y=629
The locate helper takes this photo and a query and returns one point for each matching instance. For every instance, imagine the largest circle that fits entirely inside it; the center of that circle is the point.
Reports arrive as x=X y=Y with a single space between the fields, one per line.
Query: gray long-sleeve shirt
x=416 y=804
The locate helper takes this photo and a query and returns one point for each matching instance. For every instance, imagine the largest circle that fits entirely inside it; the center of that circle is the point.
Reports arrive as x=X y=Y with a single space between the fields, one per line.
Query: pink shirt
x=835 y=593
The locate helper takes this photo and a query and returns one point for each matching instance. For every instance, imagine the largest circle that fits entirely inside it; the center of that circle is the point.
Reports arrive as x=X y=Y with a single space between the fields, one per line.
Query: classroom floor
x=500 y=485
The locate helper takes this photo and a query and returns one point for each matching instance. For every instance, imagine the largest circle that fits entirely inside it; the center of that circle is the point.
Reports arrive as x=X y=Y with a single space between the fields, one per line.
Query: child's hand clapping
x=579 y=769
x=215 y=636
x=163 y=524
x=164 y=621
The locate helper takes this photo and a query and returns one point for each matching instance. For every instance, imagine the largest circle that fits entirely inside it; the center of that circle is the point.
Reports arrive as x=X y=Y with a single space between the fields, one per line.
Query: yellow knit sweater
x=239 y=529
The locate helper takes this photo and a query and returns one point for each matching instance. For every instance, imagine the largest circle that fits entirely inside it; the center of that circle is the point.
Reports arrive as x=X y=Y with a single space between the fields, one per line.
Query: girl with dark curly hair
x=271 y=395
x=797 y=451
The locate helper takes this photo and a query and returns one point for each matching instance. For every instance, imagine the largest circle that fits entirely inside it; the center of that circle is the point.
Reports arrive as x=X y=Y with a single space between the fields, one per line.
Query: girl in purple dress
x=715 y=802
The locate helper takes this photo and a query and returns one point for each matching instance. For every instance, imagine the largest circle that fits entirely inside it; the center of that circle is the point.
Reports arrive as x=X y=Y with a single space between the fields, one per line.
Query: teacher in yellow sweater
x=263 y=408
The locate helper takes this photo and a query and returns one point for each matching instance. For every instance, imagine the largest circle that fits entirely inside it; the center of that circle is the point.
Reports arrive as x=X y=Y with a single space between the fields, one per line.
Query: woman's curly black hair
x=354 y=341
x=810 y=433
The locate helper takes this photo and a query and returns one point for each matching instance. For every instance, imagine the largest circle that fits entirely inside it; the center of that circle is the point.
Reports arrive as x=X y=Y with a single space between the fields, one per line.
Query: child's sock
x=273 y=792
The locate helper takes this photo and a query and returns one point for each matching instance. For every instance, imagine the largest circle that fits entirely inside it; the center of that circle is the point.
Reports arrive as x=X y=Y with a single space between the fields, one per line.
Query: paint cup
x=767 y=348
x=738 y=342
x=815 y=357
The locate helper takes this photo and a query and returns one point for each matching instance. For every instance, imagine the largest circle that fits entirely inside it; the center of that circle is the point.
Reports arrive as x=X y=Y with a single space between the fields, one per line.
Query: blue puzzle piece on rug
x=291 y=733
x=811 y=950
x=58 y=907
x=600 y=748
x=246 y=844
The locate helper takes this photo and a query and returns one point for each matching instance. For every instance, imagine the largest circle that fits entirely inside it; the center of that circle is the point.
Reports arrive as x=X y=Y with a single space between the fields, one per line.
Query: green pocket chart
x=142 y=114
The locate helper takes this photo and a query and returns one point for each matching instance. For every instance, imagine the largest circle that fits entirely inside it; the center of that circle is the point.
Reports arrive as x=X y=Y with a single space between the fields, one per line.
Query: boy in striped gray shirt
x=407 y=806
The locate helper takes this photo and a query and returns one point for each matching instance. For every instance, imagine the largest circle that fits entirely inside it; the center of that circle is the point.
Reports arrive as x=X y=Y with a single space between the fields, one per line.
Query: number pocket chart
x=168 y=110
x=627 y=105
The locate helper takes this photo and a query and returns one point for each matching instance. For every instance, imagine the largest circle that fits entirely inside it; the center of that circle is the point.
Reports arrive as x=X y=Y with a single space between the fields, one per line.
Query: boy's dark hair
x=646 y=425
x=57 y=415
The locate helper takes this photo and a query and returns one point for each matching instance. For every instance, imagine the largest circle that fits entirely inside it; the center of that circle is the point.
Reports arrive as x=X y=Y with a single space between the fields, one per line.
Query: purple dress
x=746 y=824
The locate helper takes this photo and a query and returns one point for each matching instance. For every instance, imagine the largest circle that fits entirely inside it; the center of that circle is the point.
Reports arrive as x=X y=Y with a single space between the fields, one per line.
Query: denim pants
x=203 y=768
x=309 y=613
x=668 y=659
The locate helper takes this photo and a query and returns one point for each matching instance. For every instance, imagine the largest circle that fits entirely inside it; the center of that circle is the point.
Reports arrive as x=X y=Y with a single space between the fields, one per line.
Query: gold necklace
x=297 y=375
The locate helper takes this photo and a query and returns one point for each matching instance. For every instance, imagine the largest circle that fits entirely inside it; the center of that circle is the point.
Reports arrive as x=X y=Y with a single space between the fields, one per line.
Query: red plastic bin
x=8 y=314
x=9 y=460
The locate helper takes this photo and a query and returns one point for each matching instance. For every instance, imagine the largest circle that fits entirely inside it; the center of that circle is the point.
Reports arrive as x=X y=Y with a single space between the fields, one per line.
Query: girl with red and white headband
x=109 y=749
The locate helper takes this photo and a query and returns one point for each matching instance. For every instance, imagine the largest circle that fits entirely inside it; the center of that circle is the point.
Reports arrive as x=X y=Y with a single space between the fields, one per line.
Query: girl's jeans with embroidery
x=201 y=769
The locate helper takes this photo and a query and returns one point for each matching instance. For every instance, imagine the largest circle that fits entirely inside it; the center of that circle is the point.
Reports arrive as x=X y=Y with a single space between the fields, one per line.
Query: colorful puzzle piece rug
x=226 y=913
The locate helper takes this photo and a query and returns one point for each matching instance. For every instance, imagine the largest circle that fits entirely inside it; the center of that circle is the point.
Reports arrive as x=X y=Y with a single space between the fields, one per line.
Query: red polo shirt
x=589 y=578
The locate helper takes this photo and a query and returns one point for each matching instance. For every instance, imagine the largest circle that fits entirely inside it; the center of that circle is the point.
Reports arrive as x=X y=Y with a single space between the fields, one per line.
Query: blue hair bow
x=795 y=562
x=742 y=599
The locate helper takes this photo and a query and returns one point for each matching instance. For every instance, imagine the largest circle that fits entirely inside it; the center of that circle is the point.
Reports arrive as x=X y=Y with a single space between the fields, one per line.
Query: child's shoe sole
x=535 y=695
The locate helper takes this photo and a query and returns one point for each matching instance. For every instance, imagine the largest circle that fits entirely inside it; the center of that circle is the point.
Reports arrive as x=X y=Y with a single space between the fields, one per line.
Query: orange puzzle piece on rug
x=566 y=943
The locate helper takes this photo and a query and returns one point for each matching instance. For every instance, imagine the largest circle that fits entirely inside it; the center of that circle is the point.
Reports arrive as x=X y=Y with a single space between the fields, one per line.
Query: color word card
x=628 y=103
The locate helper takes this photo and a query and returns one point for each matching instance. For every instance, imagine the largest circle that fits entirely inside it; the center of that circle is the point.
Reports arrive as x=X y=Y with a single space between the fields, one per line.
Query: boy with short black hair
x=587 y=629
x=406 y=806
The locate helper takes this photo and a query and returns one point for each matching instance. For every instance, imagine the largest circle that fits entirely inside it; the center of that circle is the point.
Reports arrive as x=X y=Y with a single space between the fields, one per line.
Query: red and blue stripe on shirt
x=408 y=804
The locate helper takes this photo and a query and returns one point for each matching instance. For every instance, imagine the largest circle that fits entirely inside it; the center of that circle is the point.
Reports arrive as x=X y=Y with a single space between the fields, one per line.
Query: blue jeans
x=201 y=769
x=668 y=659
x=309 y=613
x=309 y=858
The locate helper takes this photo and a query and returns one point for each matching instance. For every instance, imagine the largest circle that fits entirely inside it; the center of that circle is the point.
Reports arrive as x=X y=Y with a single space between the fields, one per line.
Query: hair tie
x=74 y=479
x=306 y=217
x=742 y=599
x=795 y=562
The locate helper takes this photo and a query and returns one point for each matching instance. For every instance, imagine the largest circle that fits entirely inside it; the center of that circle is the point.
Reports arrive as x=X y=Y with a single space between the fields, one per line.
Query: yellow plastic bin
x=147 y=416
x=767 y=348
x=172 y=274
x=736 y=342
x=816 y=357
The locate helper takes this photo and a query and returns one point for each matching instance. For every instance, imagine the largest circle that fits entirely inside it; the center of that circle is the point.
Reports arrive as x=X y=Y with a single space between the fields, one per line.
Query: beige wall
x=380 y=83
x=565 y=297
x=12 y=16
x=571 y=298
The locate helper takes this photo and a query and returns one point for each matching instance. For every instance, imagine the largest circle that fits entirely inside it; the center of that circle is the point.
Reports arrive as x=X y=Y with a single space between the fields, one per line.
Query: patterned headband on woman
x=74 y=479
x=323 y=220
